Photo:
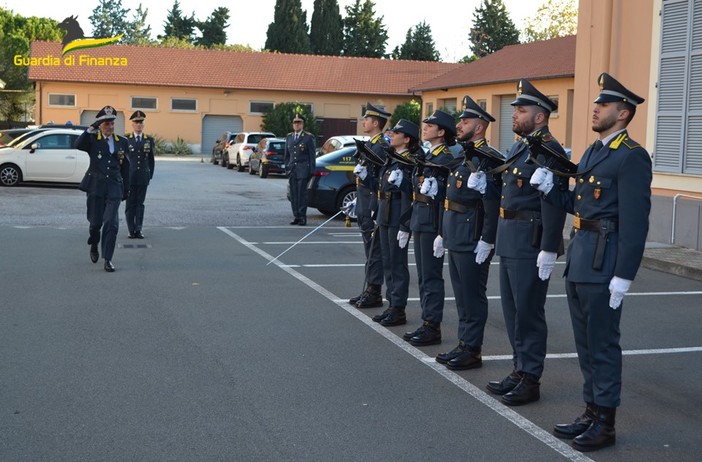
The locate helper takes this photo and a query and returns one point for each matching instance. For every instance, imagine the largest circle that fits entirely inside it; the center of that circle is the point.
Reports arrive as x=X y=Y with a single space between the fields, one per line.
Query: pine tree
x=138 y=32
x=177 y=25
x=364 y=34
x=326 y=34
x=212 y=29
x=492 y=28
x=419 y=45
x=109 y=18
x=554 y=18
x=288 y=31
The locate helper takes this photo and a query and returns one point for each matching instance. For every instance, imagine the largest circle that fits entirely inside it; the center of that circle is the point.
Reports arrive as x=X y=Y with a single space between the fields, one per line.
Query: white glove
x=438 y=247
x=92 y=130
x=482 y=251
x=618 y=287
x=542 y=179
x=478 y=182
x=350 y=208
x=545 y=262
x=430 y=187
x=403 y=238
x=395 y=177
x=360 y=171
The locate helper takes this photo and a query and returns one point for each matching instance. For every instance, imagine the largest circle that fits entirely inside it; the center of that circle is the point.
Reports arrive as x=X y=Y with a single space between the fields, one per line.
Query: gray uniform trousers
x=469 y=281
x=395 y=266
x=103 y=212
x=429 y=276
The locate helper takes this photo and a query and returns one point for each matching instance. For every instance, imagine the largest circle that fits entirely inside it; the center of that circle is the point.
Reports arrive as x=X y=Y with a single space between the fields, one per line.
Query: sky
x=450 y=20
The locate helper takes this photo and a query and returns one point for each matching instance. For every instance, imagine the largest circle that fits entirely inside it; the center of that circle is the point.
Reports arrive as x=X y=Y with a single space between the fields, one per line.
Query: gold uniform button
x=581 y=181
x=579 y=197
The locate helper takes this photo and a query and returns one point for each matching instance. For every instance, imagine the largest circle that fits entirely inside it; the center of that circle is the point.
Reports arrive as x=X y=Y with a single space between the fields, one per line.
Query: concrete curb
x=674 y=260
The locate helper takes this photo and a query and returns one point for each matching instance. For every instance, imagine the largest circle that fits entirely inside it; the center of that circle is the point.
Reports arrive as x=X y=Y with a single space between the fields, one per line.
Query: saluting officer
x=611 y=203
x=529 y=239
x=469 y=228
x=394 y=209
x=106 y=182
x=300 y=162
x=141 y=171
x=366 y=206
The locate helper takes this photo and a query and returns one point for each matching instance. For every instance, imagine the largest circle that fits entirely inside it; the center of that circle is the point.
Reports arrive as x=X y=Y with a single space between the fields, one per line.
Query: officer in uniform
x=394 y=209
x=141 y=170
x=611 y=203
x=529 y=238
x=106 y=182
x=469 y=228
x=300 y=162
x=366 y=206
x=429 y=186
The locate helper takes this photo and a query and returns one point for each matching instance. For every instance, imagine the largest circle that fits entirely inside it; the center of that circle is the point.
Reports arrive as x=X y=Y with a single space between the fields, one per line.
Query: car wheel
x=227 y=162
x=262 y=171
x=10 y=175
x=213 y=159
x=251 y=170
x=239 y=165
x=346 y=196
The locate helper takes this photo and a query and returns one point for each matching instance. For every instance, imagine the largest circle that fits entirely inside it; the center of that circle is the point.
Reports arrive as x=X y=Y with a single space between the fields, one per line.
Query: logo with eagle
x=75 y=38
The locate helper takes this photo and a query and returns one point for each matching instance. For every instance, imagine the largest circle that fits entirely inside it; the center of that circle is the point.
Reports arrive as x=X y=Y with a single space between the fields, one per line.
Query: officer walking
x=106 y=182
x=469 y=228
x=611 y=203
x=367 y=180
x=299 y=161
x=529 y=238
x=141 y=171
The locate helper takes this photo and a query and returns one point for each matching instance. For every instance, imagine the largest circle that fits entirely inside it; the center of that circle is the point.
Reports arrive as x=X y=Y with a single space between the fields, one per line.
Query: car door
x=54 y=158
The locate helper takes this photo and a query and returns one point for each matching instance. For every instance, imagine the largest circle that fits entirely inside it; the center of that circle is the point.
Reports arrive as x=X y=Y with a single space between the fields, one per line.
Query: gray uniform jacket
x=299 y=155
x=426 y=211
x=108 y=173
x=141 y=159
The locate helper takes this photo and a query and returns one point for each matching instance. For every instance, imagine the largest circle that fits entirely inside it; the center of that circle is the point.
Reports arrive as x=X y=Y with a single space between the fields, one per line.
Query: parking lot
x=202 y=347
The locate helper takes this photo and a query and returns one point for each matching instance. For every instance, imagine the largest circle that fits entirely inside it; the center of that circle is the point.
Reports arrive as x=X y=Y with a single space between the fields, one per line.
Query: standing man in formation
x=141 y=170
x=299 y=162
x=469 y=228
x=106 y=182
x=529 y=236
x=611 y=203
x=367 y=180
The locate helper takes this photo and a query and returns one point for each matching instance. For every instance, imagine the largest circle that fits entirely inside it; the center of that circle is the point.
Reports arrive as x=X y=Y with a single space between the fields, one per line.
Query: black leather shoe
x=600 y=433
x=109 y=267
x=381 y=316
x=94 y=254
x=139 y=235
x=579 y=425
x=396 y=317
x=431 y=335
x=443 y=358
x=408 y=335
x=505 y=385
x=526 y=391
x=469 y=359
x=371 y=298
x=295 y=221
x=132 y=236
x=354 y=300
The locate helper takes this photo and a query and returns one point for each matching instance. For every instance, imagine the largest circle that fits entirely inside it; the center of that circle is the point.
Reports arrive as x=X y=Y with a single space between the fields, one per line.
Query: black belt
x=461 y=207
x=424 y=199
x=603 y=227
x=386 y=196
x=518 y=214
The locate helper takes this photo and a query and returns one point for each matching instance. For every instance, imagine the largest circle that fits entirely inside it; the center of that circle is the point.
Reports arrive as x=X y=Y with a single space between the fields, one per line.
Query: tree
x=108 y=18
x=364 y=33
x=410 y=110
x=288 y=31
x=177 y=25
x=419 y=45
x=326 y=28
x=492 y=28
x=138 y=32
x=278 y=120
x=212 y=29
x=554 y=18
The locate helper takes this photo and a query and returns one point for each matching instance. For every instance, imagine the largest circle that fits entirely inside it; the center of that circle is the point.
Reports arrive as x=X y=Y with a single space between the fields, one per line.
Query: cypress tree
x=327 y=33
x=288 y=31
x=364 y=34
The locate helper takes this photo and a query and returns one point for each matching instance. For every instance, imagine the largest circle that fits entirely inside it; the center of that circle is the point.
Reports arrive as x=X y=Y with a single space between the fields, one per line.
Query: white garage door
x=87 y=117
x=506 y=133
x=215 y=125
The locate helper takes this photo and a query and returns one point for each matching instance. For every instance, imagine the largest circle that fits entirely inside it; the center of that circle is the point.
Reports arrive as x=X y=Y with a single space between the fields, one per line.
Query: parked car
x=240 y=149
x=10 y=134
x=333 y=184
x=337 y=142
x=221 y=146
x=268 y=157
x=47 y=155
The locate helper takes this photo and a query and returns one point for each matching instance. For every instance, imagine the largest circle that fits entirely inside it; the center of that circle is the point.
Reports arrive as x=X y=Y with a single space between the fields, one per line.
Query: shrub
x=180 y=148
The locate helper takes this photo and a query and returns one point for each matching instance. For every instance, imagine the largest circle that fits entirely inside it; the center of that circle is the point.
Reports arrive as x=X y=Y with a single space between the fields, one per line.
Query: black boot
x=471 y=358
x=501 y=387
x=600 y=433
x=354 y=300
x=526 y=391
x=408 y=335
x=430 y=335
x=383 y=315
x=94 y=254
x=395 y=317
x=371 y=298
x=443 y=358
x=578 y=426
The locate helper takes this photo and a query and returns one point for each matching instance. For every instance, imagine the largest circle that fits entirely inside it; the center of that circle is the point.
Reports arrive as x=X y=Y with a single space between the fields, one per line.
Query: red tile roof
x=239 y=70
x=545 y=59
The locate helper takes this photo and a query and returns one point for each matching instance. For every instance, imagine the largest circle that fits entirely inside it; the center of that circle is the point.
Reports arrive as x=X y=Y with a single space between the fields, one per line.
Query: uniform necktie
x=597 y=147
x=138 y=138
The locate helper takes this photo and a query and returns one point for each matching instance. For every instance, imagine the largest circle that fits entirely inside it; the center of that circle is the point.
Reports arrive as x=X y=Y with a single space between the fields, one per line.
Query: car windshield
x=277 y=146
x=253 y=139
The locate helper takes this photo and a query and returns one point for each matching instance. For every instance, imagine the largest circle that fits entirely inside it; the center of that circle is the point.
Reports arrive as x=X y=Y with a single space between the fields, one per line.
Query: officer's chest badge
x=597 y=193
x=520 y=183
x=515 y=170
x=592 y=179
x=459 y=183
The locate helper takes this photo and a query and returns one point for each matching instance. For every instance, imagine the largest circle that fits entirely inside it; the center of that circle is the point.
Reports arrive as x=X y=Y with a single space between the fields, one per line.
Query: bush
x=278 y=120
x=160 y=145
x=410 y=110
x=180 y=148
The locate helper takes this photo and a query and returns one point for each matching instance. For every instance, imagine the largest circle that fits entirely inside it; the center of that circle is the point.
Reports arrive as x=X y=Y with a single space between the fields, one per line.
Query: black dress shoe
x=578 y=426
x=295 y=221
x=443 y=358
x=139 y=235
x=383 y=315
x=132 y=236
x=505 y=385
x=396 y=317
x=431 y=335
x=109 y=267
x=469 y=359
x=600 y=433
x=370 y=299
x=94 y=254
x=526 y=391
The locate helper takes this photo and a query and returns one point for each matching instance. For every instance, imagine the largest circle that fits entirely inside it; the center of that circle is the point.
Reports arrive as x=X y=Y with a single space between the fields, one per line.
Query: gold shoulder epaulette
x=116 y=137
x=618 y=140
x=439 y=150
x=479 y=143
x=99 y=135
x=376 y=138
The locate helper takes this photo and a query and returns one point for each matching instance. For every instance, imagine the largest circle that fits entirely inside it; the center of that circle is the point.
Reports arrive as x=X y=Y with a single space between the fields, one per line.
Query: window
x=257 y=107
x=555 y=100
x=429 y=109
x=62 y=100
x=57 y=141
x=183 y=104
x=140 y=102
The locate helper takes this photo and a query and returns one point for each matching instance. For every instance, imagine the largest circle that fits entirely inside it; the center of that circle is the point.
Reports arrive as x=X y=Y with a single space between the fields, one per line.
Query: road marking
x=475 y=392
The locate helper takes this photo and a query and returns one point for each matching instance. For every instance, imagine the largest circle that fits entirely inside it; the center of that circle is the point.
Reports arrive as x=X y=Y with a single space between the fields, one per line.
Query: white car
x=335 y=143
x=240 y=149
x=46 y=156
